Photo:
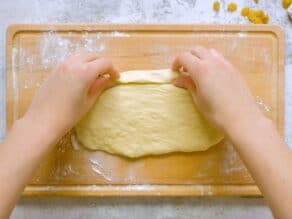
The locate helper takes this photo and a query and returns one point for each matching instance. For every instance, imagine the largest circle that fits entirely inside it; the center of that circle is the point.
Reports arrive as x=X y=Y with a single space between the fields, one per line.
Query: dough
x=145 y=114
x=289 y=10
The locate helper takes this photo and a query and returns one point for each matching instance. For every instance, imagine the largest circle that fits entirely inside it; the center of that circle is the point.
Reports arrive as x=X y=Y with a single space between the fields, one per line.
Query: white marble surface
x=138 y=11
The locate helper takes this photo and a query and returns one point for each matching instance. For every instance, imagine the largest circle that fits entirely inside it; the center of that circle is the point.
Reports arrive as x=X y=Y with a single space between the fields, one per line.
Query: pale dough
x=145 y=114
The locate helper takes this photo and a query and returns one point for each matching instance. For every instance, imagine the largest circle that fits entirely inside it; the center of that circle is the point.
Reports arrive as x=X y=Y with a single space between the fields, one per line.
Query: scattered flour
x=133 y=170
x=74 y=141
x=55 y=47
x=119 y=34
x=264 y=107
x=233 y=44
x=26 y=60
x=15 y=83
x=242 y=34
x=137 y=187
x=98 y=169
x=68 y=170
x=230 y=164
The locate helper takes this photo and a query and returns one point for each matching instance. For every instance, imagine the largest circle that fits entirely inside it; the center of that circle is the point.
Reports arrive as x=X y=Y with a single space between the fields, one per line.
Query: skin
x=216 y=87
x=64 y=97
x=222 y=95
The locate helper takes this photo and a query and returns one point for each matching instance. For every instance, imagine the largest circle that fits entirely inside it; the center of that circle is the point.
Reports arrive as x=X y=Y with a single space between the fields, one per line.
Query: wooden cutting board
x=33 y=50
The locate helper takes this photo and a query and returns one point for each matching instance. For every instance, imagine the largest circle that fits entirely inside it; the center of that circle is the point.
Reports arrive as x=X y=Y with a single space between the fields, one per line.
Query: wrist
x=253 y=127
x=38 y=133
x=243 y=126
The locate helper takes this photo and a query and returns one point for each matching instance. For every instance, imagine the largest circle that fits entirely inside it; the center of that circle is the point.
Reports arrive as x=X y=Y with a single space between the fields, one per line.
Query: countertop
x=139 y=11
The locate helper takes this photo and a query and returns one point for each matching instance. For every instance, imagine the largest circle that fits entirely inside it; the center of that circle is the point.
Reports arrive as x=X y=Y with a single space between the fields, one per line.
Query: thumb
x=187 y=82
x=98 y=86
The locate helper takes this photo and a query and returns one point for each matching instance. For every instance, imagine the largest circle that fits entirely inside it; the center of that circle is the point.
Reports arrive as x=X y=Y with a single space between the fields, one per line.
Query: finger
x=220 y=56
x=100 y=85
x=100 y=67
x=200 y=52
x=186 y=61
x=185 y=82
x=90 y=57
x=84 y=57
x=215 y=53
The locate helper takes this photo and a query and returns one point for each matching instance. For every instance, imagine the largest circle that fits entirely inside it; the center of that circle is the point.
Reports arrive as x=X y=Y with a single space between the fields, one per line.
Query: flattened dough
x=145 y=114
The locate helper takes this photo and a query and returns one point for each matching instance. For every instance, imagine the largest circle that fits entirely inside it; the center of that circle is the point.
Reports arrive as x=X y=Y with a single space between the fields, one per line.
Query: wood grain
x=257 y=51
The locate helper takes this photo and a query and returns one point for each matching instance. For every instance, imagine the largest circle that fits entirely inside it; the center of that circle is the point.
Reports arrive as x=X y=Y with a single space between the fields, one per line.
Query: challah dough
x=145 y=114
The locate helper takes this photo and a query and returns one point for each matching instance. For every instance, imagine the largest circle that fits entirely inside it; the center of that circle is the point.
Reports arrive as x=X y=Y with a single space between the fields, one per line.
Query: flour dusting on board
x=15 y=84
x=230 y=163
x=74 y=142
x=119 y=34
x=69 y=170
x=242 y=34
x=98 y=169
x=55 y=47
x=26 y=60
x=133 y=171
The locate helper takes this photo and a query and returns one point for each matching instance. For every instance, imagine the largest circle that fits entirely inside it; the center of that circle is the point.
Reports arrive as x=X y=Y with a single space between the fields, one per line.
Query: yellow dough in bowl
x=145 y=114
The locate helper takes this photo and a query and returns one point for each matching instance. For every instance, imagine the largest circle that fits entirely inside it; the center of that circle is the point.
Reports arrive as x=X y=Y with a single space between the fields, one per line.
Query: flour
x=74 y=142
x=91 y=43
x=15 y=83
x=145 y=187
x=98 y=169
x=26 y=60
x=69 y=170
x=63 y=171
x=242 y=34
x=264 y=107
x=133 y=170
x=233 y=45
x=55 y=47
x=119 y=34
x=232 y=170
x=230 y=164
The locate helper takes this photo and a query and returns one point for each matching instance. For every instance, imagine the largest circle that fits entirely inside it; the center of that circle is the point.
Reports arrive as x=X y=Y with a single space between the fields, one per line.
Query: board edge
x=140 y=190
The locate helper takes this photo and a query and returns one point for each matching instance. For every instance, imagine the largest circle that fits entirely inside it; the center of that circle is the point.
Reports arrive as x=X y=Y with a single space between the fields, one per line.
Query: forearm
x=62 y=100
x=20 y=154
x=268 y=159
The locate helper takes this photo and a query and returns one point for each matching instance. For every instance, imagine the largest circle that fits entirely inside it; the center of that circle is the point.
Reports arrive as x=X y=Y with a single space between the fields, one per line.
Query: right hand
x=217 y=88
x=69 y=92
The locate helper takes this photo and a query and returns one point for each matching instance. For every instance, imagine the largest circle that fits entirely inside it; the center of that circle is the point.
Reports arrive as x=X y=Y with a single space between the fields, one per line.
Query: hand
x=69 y=92
x=217 y=87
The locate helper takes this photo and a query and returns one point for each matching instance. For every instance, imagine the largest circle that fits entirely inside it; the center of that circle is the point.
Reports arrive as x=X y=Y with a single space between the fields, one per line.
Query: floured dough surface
x=146 y=115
